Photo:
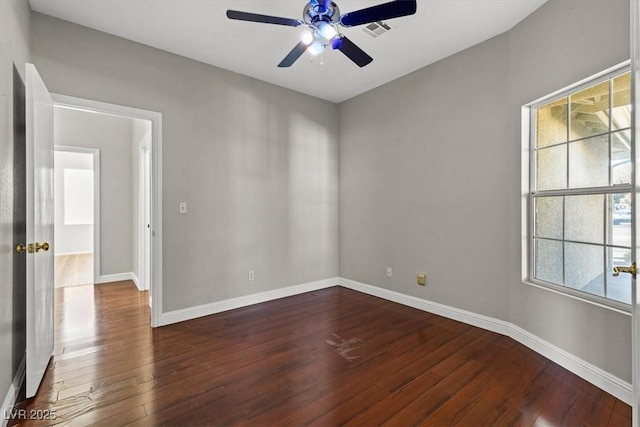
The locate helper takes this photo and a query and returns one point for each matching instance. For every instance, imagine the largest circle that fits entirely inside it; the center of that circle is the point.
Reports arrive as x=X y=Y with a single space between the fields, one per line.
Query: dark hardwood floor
x=323 y=358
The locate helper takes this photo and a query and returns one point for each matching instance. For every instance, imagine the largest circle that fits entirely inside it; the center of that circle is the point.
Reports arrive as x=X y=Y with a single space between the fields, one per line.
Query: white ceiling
x=199 y=29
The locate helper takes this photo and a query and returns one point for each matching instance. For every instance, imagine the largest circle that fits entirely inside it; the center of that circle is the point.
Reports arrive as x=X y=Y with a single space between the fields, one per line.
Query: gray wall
x=430 y=176
x=14 y=49
x=257 y=164
x=586 y=36
x=112 y=136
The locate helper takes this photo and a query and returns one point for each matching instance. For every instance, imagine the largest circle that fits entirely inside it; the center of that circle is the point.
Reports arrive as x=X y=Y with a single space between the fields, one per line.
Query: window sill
x=616 y=306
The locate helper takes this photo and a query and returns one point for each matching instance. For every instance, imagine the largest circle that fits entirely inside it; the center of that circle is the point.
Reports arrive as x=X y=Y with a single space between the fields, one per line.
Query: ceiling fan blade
x=293 y=55
x=353 y=52
x=266 y=19
x=394 y=9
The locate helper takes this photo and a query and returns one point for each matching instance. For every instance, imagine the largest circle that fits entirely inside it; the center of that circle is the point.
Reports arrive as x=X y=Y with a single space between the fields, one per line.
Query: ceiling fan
x=322 y=17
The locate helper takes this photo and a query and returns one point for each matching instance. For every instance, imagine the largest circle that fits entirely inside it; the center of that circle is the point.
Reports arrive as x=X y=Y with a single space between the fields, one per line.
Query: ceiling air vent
x=376 y=29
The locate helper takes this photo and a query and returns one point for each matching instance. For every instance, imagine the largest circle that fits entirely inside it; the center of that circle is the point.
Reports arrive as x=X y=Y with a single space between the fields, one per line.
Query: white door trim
x=96 y=201
x=156 y=182
x=635 y=131
x=143 y=249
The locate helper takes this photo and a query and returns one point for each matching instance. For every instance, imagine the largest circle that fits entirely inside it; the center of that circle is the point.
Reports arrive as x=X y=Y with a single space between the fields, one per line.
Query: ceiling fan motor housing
x=316 y=11
x=319 y=17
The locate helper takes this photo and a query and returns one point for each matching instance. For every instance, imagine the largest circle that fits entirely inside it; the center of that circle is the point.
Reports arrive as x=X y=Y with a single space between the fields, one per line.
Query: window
x=78 y=195
x=579 y=196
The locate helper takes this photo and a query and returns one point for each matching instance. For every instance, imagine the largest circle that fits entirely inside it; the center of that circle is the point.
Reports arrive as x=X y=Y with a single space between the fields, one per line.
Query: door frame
x=144 y=205
x=155 y=117
x=96 y=200
x=635 y=131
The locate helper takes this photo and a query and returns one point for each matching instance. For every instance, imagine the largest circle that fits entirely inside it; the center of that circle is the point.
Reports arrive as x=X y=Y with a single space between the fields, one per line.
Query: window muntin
x=581 y=189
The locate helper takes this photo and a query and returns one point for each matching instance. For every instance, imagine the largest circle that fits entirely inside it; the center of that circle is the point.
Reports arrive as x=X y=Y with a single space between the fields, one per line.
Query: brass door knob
x=631 y=270
x=20 y=248
x=42 y=246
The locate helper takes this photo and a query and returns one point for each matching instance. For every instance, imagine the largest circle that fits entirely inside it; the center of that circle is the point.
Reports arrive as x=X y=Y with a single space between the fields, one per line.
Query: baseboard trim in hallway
x=12 y=393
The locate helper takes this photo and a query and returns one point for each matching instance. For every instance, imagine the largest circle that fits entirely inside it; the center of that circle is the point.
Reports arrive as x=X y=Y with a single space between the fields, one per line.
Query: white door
x=39 y=201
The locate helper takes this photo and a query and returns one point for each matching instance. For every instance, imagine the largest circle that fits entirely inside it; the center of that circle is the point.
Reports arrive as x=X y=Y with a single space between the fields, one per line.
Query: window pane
x=551 y=168
x=618 y=288
x=621 y=109
x=551 y=120
x=548 y=265
x=589 y=162
x=584 y=265
x=621 y=157
x=590 y=111
x=619 y=221
x=582 y=169
x=584 y=218
x=549 y=217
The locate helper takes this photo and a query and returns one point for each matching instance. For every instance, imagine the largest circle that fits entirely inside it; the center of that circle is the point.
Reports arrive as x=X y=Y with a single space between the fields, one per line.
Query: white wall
x=76 y=238
x=112 y=136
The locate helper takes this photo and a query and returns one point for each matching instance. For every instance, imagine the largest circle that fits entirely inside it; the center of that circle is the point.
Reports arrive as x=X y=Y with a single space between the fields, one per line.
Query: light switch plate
x=183 y=208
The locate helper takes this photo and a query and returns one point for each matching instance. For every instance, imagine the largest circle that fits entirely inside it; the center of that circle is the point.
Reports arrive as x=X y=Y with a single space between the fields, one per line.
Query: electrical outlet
x=422 y=279
x=252 y=275
x=389 y=272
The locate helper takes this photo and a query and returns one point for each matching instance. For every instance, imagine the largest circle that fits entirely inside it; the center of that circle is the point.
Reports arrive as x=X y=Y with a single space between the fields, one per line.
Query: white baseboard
x=243 y=301
x=12 y=393
x=136 y=281
x=119 y=277
x=596 y=376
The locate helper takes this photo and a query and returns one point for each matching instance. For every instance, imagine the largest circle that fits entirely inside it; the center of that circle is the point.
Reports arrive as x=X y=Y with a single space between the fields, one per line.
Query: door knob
x=42 y=246
x=20 y=248
x=631 y=270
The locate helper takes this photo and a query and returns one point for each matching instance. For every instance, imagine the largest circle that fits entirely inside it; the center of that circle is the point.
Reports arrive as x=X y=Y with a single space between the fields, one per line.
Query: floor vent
x=376 y=29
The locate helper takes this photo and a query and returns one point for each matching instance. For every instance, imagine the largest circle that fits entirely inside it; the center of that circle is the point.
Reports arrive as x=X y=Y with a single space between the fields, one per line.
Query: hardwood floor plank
x=329 y=357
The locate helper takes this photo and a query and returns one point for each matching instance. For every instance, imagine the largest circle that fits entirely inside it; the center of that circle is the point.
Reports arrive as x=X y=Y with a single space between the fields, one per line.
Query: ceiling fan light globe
x=316 y=48
x=327 y=31
x=306 y=38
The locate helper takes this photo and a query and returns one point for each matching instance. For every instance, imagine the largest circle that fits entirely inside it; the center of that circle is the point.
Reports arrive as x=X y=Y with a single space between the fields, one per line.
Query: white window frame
x=528 y=178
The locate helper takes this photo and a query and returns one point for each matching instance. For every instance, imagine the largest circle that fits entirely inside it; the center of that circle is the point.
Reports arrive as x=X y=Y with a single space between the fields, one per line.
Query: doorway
x=77 y=220
x=131 y=245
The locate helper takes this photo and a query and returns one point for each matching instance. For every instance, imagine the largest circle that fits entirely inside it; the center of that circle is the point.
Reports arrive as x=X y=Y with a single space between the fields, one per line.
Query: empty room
x=356 y=212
